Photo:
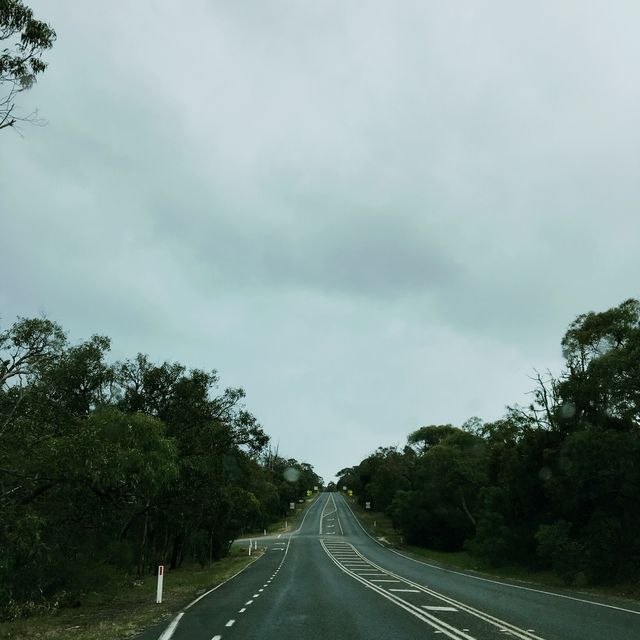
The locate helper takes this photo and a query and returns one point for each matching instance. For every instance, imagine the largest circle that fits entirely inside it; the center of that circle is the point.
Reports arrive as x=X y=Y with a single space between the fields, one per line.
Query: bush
x=559 y=551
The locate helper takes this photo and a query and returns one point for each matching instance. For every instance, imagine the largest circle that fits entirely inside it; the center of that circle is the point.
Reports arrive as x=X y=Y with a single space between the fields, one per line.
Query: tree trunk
x=465 y=508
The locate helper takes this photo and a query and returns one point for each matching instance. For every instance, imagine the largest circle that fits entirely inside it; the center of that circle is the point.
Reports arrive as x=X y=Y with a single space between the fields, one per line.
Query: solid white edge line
x=168 y=632
x=519 y=632
x=337 y=515
x=315 y=502
x=204 y=595
x=505 y=584
x=432 y=621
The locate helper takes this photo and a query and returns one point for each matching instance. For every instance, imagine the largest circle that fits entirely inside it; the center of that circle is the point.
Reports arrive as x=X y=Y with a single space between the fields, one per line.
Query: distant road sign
x=367 y=505
x=292 y=505
x=344 y=488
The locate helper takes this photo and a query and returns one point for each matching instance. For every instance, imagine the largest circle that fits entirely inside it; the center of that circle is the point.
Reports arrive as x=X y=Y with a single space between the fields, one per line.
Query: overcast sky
x=371 y=215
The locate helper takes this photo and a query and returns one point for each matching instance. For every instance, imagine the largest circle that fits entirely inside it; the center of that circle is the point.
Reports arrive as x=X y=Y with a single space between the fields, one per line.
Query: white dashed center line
x=230 y=623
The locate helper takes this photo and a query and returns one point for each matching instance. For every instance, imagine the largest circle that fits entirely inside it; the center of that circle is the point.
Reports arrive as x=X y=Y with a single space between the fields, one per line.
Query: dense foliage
x=107 y=470
x=556 y=484
x=23 y=40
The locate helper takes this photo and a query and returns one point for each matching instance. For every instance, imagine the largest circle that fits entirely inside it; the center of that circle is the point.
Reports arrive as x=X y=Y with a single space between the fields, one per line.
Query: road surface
x=330 y=580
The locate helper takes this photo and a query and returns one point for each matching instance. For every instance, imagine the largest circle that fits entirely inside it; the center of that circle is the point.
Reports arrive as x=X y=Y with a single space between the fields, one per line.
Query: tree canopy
x=553 y=485
x=110 y=468
x=23 y=40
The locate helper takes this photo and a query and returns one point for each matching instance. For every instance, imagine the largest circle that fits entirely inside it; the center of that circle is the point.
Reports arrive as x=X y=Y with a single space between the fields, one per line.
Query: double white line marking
x=324 y=515
x=418 y=612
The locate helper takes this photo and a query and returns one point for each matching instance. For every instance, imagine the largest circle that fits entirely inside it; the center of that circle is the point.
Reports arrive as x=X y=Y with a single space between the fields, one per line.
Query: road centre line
x=323 y=515
x=308 y=511
x=505 y=584
x=431 y=620
x=230 y=623
x=170 y=630
x=216 y=638
x=242 y=610
x=487 y=617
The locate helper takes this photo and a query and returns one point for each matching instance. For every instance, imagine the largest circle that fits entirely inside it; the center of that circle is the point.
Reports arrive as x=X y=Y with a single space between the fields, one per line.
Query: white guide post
x=160 y=582
x=249 y=547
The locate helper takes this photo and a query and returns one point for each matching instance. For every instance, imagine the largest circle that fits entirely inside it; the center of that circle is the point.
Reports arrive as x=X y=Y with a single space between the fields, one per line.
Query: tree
x=24 y=39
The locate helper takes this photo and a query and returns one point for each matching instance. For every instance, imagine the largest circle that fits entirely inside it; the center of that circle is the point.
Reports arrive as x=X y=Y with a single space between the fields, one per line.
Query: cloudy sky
x=371 y=215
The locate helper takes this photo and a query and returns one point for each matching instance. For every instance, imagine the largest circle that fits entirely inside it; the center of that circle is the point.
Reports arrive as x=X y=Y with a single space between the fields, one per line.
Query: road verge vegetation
x=552 y=486
x=109 y=469
x=380 y=527
x=122 y=611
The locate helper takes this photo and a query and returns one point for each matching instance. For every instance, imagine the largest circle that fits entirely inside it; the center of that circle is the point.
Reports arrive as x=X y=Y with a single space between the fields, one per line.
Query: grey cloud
x=370 y=217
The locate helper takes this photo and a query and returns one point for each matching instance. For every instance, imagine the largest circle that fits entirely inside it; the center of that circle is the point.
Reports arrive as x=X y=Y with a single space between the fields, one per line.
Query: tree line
x=553 y=485
x=108 y=469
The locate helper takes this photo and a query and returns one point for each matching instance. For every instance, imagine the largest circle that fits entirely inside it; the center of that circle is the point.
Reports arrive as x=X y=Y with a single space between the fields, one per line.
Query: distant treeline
x=107 y=470
x=553 y=485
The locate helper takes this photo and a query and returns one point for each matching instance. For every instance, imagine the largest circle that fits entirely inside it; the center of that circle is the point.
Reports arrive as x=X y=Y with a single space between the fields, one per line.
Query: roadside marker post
x=255 y=545
x=249 y=547
x=160 y=583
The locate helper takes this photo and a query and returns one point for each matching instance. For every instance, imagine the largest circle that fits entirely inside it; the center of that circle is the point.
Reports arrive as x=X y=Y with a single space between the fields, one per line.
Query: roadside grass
x=290 y=523
x=124 y=610
x=380 y=526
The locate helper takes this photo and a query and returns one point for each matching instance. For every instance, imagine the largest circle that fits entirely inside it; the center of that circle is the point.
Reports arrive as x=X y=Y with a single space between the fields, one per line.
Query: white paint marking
x=216 y=587
x=260 y=590
x=230 y=623
x=501 y=624
x=242 y=610
x=169 y=631
x=379 y=580
x=425 y=606
x=248 y=602
x=504 y=584
x=216 y=638
x=406 y=590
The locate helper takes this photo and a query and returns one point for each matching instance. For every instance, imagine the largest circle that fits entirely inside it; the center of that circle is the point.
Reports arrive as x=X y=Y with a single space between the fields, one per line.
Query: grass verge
x=123 y=611
x=288 y=524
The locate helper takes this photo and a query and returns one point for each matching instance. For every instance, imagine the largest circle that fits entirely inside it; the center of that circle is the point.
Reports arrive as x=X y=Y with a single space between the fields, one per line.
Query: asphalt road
x=331 y=580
